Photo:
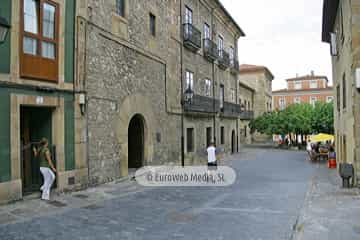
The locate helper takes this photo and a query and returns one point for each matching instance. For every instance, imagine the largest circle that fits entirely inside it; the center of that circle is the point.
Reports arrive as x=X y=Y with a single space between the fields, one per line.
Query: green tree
x=299 y=119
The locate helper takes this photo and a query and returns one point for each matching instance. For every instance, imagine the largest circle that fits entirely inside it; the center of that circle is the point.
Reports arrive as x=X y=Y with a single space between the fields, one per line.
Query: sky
x=283 y=35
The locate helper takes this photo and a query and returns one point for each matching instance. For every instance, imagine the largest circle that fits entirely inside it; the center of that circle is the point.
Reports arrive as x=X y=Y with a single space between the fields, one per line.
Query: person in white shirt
x=211 y=152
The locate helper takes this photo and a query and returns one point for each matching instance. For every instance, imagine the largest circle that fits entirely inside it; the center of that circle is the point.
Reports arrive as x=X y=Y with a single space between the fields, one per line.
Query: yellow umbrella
x=322 y=137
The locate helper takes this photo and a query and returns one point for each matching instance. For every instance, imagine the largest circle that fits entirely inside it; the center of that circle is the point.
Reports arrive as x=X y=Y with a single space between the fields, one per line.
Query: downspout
x=213 y=75
x=182 y=88
x=236 y=94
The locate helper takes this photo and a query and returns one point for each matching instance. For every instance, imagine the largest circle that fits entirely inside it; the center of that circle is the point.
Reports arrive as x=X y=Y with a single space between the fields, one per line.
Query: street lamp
x=186 y=98
x=4 y=28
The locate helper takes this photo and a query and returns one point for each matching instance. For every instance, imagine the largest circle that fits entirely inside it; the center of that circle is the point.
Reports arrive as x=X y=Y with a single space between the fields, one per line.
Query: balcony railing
x=192 y=37
x=247 y=115
x=234 y=66
x=232 y=110
x=224 y=59
x=210 y=50
x=202 y=104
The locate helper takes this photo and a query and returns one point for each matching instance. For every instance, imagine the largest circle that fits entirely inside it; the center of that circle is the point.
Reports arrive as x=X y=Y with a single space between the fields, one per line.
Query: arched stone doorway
x=233 y=142
x=136 y=140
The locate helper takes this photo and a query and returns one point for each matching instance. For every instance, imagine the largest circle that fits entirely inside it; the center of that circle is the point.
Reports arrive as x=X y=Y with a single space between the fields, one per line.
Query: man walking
x=211 y=152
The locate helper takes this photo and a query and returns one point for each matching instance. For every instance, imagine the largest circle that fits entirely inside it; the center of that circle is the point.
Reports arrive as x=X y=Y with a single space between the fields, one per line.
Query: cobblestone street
x=264 y=203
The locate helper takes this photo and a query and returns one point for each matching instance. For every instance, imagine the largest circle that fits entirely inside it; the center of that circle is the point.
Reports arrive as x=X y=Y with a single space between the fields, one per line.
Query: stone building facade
x=39 y=97
x=303 y=89
x=259 y=79
x=341 y=30
x=246 y=100
x=135 y=61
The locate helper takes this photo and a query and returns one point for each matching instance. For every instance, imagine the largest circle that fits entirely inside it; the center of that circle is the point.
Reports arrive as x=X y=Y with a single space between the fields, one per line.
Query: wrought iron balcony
x=224 y=59
x=231 y=110
x=234 y=66
x=247 y=115
x=192 y=37
x=202 y=104
x=210 y=50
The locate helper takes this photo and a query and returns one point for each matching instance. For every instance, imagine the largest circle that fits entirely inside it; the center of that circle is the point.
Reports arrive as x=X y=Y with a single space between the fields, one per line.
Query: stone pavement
x=32 y=207
x=263 y=203
x=330 y=212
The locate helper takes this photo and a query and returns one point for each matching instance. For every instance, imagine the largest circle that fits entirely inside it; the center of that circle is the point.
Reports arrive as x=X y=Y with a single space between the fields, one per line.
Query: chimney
x=297 y=75
x=312 y=73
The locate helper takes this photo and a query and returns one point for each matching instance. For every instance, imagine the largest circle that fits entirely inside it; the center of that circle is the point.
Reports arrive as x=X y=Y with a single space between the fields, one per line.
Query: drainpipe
x=182 y=88
x=213 y=74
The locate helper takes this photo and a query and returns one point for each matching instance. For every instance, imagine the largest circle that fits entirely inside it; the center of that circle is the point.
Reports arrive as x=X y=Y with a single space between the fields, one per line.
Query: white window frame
x=189 y=77
x=297 y=100
x=231 y=55
x=207 y=89
x=188 y=15
x=282 y=103
x=207 y=32
x=313 y=100
x=220 y=45
x=329 y=99
x=298 y=85
x=313 y=84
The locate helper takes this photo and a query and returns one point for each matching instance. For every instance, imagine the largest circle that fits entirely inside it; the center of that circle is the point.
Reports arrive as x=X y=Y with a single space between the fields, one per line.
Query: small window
x=233 y=97
x=190 y=139
x=152 y=24
x=220 y=45
x=313 y=100
x=208 y=136
x=120 y=7
x=189 y=80
x=207 y=31
x=329 y=99
x=313 y=84
x=282 y=103
x=297 y=85
x=222 y=96
x=231 y=56
x=296 y=100
x=188 y=15
x=222 y=135
x=207 y=87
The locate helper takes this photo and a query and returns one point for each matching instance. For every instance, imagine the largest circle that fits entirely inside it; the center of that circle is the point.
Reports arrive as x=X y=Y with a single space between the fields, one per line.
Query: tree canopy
x=300 y=119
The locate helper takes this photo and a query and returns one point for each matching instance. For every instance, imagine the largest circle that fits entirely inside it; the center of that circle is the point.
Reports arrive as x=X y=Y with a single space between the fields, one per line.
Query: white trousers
x=49 y=178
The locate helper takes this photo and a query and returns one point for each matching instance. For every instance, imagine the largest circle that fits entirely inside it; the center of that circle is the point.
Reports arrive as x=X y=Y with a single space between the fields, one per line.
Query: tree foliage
x=299 y=119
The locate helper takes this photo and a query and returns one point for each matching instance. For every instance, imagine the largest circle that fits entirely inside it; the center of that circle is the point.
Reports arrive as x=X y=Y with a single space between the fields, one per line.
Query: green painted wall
x=5 y=163
x=69 y=133
x=5 y=11
x=69 y=41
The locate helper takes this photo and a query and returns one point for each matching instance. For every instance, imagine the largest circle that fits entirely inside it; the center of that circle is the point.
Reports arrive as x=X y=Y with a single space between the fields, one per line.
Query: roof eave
x=330 y=8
